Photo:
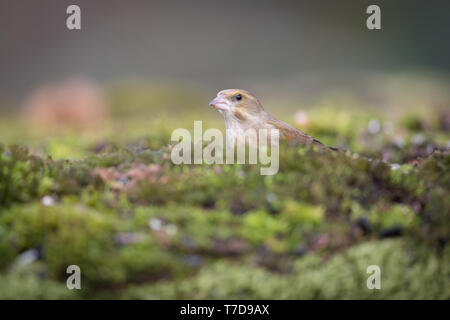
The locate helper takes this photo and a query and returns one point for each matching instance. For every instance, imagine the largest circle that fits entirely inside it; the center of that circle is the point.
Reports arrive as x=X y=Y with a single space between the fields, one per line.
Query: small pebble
x=155 y=224
x=374 y=126
x=388 y=127
x=301 y=118
x=301 y=251
x=271 y=198
x=418 y=138
x=171 y=229
x=28 y=257
x=399 y=141
x=194 y=260
x=127 y=238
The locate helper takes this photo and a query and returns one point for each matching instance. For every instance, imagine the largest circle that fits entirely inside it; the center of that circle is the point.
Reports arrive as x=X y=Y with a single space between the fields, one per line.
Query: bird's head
x=236 y=103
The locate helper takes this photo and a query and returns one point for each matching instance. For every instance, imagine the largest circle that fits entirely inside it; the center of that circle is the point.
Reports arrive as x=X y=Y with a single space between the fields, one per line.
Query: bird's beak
x=218 y=103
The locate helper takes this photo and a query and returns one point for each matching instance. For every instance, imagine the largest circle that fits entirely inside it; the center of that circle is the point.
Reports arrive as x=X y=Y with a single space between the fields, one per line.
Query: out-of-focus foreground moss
x=139 y=226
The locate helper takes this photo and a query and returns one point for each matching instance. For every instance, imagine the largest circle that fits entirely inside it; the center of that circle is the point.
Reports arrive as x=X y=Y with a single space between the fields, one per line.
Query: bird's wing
x=294 y=135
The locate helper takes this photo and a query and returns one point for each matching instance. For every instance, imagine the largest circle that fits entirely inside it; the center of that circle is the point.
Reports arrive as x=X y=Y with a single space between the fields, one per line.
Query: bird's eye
x=239 y=97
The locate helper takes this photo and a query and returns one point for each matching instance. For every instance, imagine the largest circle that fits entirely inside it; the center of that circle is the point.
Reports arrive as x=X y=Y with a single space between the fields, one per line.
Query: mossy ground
x=112 y=202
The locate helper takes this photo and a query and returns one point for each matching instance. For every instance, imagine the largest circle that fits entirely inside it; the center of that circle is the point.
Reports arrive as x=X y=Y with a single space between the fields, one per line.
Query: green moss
x=397 y=215
x=259 y=226
x=139 y=226
x=413 y=123
x=32 y=282
x=302 y=213
x=67 y=235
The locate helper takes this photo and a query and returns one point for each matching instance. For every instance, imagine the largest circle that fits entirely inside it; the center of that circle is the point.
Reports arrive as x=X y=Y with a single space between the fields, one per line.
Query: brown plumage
x=242 y=110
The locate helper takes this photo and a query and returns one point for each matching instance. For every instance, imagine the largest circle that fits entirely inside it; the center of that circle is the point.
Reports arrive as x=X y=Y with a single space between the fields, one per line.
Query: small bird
x=242 y=111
